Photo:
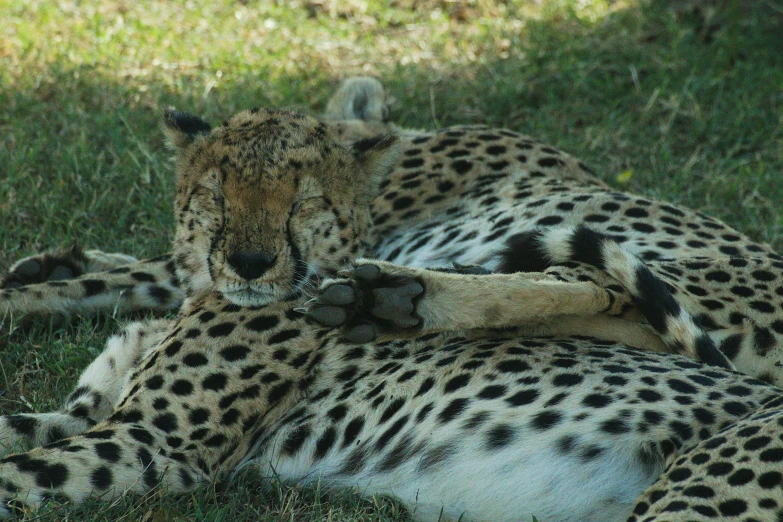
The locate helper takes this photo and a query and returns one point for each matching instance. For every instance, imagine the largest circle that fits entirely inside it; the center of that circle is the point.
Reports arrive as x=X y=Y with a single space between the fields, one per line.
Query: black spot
x=158 y=293
x=108 y=451
x=549 y=221
x=101 y=478
x=426 y=386
x=283 y=336
x=277 y=392
x=262 y=323
x=771 y=455
x=763 y=340
x=234 y=353
x=546 y=420
x=513 y=366
x=215 y=381
x=230 y=417
x=387 y=435
x=770 y=479
x=173 y=348
x=182 y=387
x=93 y=287
x=143 y=277
x=337 y=413
x=741 y=477
x=379 y=142
x=492 y=392
x=597 y=400
x=733 y=507
x=461 y=166
x=499 y=436
x=22 y=424
x=194 y=360
x=154 y=383
x=455 y=383
x=296 y=438
x=221 y=330
x=454 y=408
x=648 y=395
x=390 y=410
x=523 y=397
x=402 y=203
x=681 y=386
x=325 y=443
x=198 y=416
x=719 y=469
x=166 y=422
x=567 y=379
x=435 y=456
x=352 y=431
x=615 y=426
x=587 y=247
x=731 y=345
x=679 y=474
x=141 y=435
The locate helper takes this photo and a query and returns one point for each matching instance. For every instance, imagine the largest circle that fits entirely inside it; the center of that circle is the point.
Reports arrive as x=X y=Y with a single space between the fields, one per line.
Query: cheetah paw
x=55 y=266
x=367 y=303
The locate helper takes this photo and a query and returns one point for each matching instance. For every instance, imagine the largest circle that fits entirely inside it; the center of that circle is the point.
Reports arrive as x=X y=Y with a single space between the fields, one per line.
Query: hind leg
x=379 y=299
x=111 y=460
x=96 y=393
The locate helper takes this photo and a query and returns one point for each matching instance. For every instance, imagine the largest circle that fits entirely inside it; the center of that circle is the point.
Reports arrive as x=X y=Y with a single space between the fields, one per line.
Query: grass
x=678 y=100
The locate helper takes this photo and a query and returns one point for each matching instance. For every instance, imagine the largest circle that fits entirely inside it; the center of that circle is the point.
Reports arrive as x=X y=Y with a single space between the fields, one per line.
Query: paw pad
x=367 y=303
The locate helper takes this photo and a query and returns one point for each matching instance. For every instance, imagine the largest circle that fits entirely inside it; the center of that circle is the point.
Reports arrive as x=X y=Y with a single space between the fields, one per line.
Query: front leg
x=96 y=393
x=382 y=300
x=143 y=285
x=65 y=263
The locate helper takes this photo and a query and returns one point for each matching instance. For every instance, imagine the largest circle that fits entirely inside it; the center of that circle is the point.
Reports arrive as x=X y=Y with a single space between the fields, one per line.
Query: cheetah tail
x=540 y=249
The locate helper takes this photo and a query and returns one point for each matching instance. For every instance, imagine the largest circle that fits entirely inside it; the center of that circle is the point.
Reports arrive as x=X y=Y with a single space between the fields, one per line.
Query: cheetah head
x=267 y=199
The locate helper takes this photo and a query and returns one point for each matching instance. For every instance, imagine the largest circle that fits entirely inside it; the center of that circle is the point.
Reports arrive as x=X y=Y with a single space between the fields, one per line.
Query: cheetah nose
x=250 y=265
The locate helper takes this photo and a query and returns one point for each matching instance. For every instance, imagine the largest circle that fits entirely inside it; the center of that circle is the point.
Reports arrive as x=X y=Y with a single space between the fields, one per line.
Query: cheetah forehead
x=264 y=146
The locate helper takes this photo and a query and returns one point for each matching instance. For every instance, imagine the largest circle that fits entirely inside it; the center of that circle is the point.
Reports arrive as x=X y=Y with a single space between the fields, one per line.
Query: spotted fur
x=566 y=428
x=459 y=195
x=563 y=429
x=734 y=475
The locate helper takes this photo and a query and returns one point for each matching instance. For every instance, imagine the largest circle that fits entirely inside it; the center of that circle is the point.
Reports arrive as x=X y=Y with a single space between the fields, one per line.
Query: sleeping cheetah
x=406 y=414
x=316 y=192
x=461 y=195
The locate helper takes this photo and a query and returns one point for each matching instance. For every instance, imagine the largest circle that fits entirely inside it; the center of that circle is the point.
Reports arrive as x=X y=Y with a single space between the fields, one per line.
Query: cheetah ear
x=377 y=156
x=182 y=128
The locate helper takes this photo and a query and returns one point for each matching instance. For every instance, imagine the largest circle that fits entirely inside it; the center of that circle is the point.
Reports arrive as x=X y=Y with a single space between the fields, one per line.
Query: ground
x=678 y=100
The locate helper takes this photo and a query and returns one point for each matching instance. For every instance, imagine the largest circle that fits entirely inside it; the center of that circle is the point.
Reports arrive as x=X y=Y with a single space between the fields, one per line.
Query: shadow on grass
x=684 y=105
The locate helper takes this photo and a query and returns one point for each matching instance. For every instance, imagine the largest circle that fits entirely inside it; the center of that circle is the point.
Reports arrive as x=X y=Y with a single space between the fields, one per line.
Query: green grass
x=683 y=104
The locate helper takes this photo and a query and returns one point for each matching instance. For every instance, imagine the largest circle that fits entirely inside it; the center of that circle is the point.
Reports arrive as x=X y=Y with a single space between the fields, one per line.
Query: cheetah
x=323 y=229
x=160 y=369
x=459 y=194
